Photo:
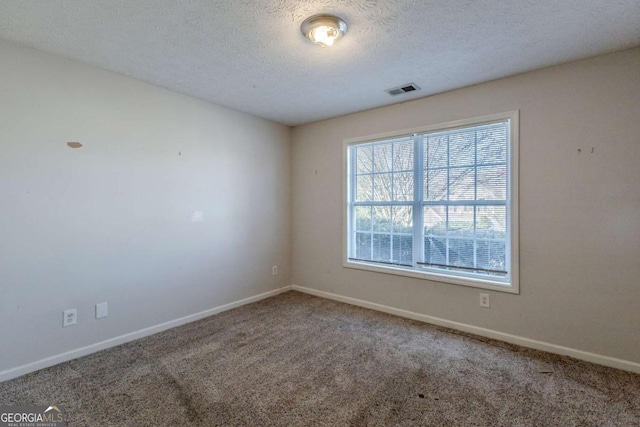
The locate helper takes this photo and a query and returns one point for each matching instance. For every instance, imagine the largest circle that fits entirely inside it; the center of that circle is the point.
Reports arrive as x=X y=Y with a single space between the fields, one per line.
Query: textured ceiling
x=251 y=56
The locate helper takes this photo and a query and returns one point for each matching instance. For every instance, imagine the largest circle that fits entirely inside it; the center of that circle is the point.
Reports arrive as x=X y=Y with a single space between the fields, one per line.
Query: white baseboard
x=112 y=342
x=489 y=333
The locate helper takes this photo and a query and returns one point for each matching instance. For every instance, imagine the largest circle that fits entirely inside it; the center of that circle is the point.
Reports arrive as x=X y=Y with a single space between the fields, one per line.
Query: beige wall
x=579 y=213
x=111 y=221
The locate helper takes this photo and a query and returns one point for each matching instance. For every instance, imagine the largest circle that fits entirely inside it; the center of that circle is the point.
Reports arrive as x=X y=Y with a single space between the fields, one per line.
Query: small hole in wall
x=74 y=144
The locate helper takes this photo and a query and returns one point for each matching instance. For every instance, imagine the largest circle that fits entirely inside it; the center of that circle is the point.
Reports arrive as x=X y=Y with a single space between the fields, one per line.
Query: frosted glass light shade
x=324 y=30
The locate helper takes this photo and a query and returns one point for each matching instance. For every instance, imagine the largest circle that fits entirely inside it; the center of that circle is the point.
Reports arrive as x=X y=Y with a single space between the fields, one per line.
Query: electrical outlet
x=69 y=317
x=274 y=270
x=102 y=310
x=485 y=301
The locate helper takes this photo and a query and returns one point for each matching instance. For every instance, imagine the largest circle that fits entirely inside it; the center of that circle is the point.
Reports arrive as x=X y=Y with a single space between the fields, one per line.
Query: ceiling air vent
x=409 y=87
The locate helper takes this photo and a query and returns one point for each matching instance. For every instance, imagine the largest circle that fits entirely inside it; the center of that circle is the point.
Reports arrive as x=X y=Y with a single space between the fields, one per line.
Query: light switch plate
x=102 y=310
x=197 y=216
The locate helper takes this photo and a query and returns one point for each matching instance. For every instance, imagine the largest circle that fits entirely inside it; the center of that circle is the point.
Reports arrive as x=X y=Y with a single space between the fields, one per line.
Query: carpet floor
x=298 y=360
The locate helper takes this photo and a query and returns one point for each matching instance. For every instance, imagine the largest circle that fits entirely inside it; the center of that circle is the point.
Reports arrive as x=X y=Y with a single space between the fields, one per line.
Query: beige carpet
x=297 y=360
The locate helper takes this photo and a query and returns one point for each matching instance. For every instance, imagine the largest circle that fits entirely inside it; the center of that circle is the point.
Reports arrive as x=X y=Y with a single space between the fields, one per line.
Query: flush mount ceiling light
x=323 y=29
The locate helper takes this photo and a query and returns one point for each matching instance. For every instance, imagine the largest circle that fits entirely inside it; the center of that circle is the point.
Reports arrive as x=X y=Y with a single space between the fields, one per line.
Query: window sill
x=435 y=277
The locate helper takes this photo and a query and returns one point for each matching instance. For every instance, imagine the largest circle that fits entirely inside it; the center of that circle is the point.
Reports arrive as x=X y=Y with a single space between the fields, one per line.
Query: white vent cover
x=408 y=87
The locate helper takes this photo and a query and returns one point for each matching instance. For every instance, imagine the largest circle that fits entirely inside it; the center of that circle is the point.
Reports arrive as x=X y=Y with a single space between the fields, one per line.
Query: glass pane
x=382 y=187
x=364 y=159
x=461 y=252
x=403 y=156
x=363 y=218
x=461 y=184
x=403 y=186
x=403 y=249
x=382 y=157
x=381 y=218
x=462 y=149
x=491 y=222
x=435 y=250
x=491 y=255
x=363 y=188
x=435 y=151
x=461 y=221
x=482 y=255
x=363 y=246
x=435 y=185
x=435 y=220
x=382 y=247
x=492 y=183
x=402 y=219
x=492 y=144
x=497 y=256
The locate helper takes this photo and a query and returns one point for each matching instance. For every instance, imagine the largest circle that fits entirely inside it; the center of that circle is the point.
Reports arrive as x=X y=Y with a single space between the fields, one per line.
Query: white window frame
x=511 y=283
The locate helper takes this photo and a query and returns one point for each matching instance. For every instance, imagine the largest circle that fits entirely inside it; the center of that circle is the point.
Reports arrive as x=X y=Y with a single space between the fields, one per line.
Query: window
x=438 y=203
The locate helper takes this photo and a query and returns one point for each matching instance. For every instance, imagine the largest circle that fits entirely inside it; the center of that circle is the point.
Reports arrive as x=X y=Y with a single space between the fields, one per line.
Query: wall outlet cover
x=69 y=317
x=485 y=300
